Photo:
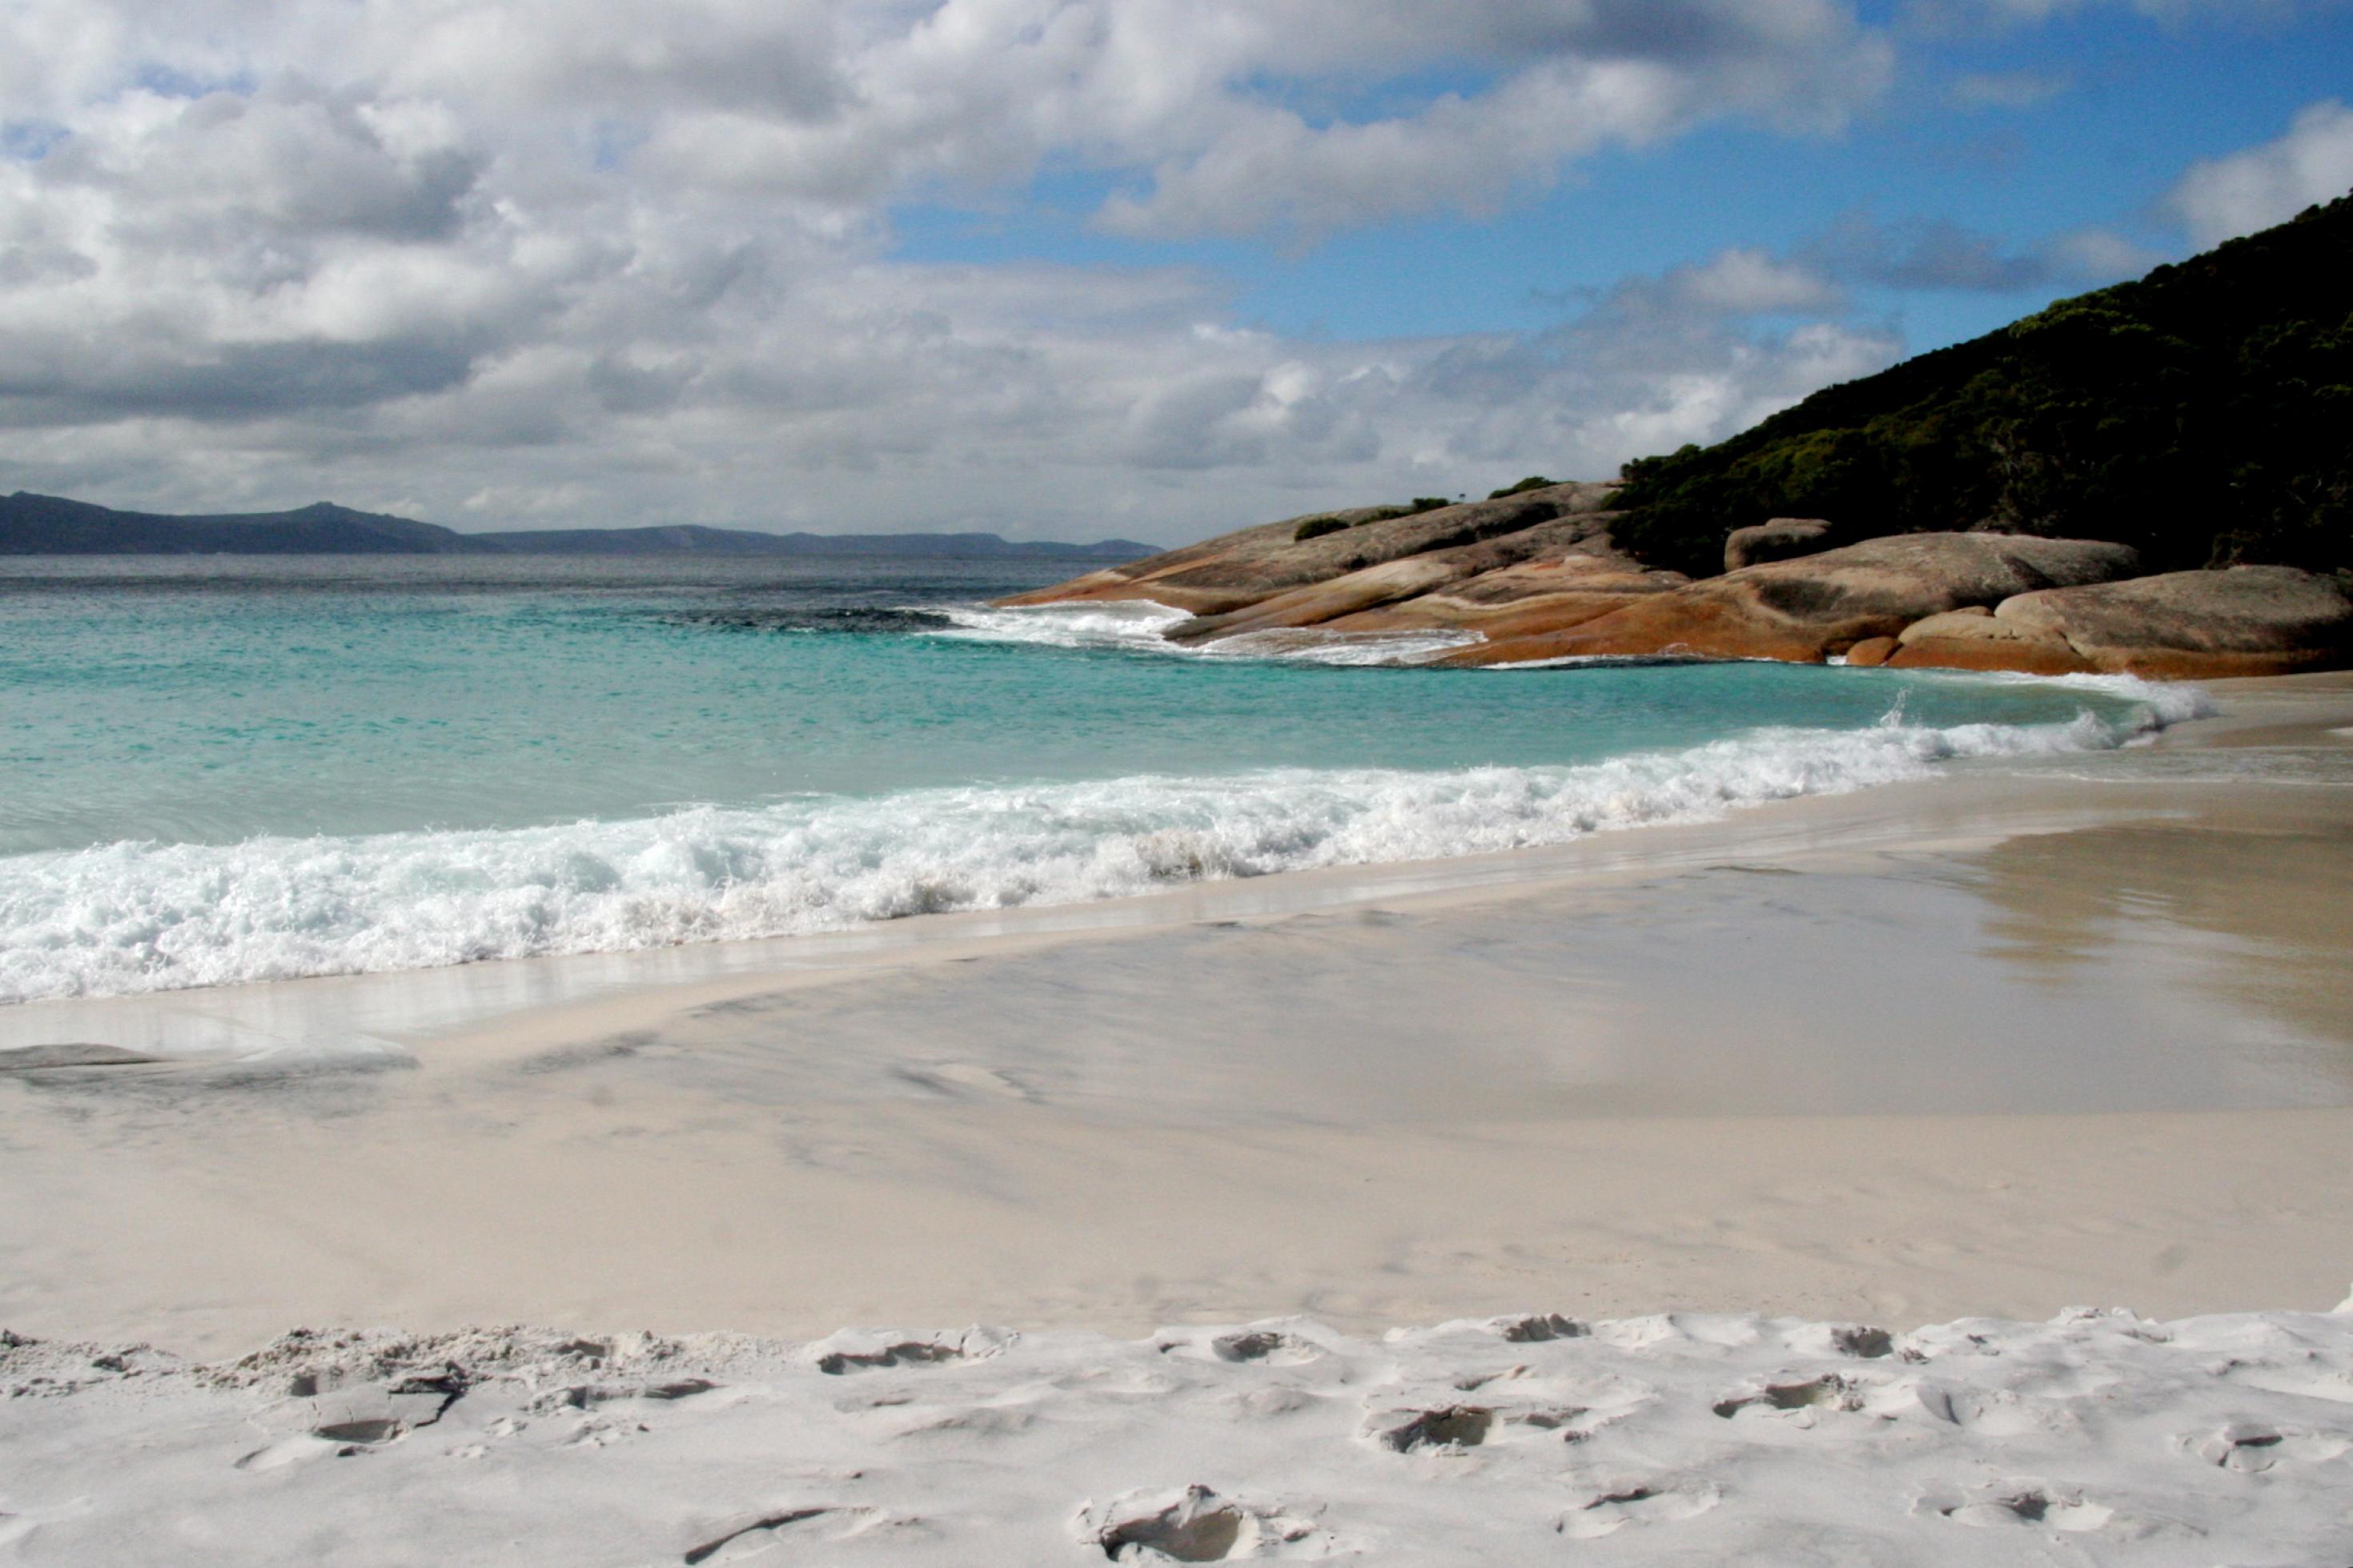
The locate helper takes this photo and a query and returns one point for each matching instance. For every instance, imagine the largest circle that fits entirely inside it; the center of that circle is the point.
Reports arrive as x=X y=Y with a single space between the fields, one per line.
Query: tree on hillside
x=2204 y=414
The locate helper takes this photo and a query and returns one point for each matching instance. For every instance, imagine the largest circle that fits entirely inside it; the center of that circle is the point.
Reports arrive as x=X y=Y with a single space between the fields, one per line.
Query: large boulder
x=2245 y=620
x=1552 y=590
x=1313 y=604
x=1974 y=638
x=1777 y=539
x=1808 y=609
x=1237 y=570
x=1465 y=586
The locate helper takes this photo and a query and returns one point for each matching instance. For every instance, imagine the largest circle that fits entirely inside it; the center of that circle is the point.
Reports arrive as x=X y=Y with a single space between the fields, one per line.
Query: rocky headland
x=2152 y=478
x=1538 y=576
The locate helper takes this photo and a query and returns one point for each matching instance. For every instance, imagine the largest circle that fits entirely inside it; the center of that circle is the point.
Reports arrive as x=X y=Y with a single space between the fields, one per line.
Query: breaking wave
x=1139 y=625
x=143 y=917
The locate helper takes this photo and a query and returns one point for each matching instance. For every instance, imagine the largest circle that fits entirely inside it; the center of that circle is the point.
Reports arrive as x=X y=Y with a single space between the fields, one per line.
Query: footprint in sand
x=1453 y=1428
x=1242 y=1347
x=1535 y=1327
x=1270 y=1346
x=590 y=1396
x=1660 y=1502
x=2024 y=1502
x=1799 y=1399
x=1527 y=1403
x=859 y=1351
x=2251 y=1448
x=752 y=1536
x=1863 y=1343
x=1196 y=1525
x=907 y=1352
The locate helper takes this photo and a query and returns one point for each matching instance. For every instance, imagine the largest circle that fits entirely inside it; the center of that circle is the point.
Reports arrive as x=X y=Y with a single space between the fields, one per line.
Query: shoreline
x=270 y=1017
x=1750 y=1175
x=1033 y=1117
x=131 y=918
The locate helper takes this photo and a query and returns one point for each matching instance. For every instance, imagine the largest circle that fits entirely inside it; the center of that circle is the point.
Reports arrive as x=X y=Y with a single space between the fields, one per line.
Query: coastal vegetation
x=1336 y=521
x=2201 y=415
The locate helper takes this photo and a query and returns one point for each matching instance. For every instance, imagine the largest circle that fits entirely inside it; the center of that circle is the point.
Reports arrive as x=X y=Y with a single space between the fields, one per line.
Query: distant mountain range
x=52 y=525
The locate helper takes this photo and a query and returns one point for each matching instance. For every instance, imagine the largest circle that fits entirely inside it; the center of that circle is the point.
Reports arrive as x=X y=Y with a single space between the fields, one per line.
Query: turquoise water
x=223 y=769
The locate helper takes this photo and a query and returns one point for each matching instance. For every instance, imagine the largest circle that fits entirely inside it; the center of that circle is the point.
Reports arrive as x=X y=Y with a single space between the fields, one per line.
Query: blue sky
x=2015 y=132
x=1061 y=268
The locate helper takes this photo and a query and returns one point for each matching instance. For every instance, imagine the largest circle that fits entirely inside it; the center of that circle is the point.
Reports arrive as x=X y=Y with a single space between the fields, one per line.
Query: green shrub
x=1532 y=482
x=2198 y=414
x=1318 y=527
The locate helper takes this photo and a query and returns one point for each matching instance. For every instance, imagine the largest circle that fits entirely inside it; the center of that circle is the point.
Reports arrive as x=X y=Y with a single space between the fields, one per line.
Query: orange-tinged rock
x=1234 y=571
x=1804 y=610
x=1591 y=580
x=1871 y=652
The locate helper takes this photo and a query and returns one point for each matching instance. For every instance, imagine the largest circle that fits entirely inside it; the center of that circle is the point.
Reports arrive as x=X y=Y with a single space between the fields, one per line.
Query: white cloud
x=2098 y=255
x=626 y=260
x=2225 y=198
x=1750 y=282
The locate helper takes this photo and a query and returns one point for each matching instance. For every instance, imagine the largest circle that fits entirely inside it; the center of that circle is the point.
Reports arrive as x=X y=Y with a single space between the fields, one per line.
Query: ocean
x=216 y=770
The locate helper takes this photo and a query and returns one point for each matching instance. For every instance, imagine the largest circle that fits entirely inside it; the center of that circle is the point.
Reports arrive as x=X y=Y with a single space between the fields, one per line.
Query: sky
x=1060 y=268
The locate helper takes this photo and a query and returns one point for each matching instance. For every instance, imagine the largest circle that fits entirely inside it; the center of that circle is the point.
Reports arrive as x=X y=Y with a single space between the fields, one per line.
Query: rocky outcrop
x=1580 y=585
x=1236 y=571
x=1537 y=577
x=2245 y=620
x=1808 y=609
x=1777 y=539
x=1465 y=587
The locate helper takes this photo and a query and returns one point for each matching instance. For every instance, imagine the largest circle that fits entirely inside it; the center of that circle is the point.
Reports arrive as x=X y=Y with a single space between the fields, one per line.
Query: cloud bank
x=630 y=261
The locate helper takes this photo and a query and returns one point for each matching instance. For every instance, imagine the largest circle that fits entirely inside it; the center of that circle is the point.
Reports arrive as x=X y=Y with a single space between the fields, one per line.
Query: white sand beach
x=2038 y=1035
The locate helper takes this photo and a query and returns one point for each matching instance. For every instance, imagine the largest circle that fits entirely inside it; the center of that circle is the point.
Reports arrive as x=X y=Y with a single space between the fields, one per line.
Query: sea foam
x=1140 y=626
x=143 y=917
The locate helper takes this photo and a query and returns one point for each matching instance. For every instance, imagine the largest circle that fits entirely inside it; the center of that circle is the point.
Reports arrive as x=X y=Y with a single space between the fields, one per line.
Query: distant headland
x=52 y=525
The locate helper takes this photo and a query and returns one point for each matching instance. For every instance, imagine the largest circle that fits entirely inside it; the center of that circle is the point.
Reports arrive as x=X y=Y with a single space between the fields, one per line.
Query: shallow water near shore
x=228 y=770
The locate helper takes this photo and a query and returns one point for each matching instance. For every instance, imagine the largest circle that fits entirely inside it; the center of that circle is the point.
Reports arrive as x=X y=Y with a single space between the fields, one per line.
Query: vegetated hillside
x=2204 y=414
x=52 y=525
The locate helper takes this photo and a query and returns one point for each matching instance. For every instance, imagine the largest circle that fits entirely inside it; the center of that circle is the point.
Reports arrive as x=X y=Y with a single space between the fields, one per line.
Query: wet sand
x=2074 y=1032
